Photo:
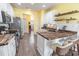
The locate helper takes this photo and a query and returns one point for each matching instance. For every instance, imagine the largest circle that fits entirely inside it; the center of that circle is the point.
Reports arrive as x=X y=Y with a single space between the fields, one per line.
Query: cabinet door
x=4 y=50
x=47 y=50
x=40 y=44
x=12 y=48
x=8 y=50
x=0 y=16
x=1 y=51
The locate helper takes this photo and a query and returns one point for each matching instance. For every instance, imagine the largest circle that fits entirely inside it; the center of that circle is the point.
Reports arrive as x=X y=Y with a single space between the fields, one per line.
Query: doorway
x=29 y=22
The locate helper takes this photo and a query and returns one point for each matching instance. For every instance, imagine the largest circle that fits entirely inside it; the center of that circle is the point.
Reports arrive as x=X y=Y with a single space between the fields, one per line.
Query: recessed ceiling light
x=19 y=3
x=43 y=5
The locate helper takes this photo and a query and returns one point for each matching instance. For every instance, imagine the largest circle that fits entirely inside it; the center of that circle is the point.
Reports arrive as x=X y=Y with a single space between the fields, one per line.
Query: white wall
x=71 y=27
x=7 y=8
x=49 y=18
x=23 y=26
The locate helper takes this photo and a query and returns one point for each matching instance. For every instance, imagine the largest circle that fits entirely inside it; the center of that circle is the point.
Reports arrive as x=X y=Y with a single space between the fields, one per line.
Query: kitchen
x=39 y=29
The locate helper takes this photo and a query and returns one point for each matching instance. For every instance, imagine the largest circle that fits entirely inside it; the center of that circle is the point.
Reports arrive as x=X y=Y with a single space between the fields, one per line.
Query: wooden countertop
x=55 y=35
x=4 y=39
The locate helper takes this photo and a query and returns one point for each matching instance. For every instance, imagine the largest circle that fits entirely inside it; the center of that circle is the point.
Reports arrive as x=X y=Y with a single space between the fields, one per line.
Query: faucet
x=64 y=27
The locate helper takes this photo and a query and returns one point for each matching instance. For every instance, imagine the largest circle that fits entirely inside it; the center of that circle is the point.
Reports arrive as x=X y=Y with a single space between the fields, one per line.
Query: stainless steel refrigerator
x=16 y=25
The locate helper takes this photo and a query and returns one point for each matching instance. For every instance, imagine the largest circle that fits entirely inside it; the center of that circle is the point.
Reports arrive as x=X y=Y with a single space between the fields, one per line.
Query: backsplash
x=71 y=27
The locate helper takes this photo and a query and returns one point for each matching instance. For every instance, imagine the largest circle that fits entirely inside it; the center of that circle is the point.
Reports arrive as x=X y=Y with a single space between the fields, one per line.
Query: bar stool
x=62 y=51
x=77 y=47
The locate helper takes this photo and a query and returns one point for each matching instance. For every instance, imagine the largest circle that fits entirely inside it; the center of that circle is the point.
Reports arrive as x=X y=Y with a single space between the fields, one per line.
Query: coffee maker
x=3 y=28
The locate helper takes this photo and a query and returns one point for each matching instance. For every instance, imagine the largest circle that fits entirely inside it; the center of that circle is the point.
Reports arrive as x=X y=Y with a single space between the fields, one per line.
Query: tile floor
x=27 y=46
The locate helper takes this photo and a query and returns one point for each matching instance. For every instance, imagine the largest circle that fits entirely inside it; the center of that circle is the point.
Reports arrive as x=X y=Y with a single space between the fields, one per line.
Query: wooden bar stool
x=63 y=50
x=77 y=42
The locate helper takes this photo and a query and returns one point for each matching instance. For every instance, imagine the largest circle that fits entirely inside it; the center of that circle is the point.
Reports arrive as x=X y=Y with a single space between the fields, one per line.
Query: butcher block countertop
x=5 y=38
x=55 y=35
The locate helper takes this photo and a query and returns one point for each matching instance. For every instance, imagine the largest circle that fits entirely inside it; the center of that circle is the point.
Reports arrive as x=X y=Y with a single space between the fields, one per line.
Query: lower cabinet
x=42 y=46
x=12 y=47
x=4 y=50
x=9 y=49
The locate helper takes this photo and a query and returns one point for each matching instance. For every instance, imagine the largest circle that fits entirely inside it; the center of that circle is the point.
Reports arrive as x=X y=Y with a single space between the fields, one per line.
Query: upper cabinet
x=0 y=16
x=4 y=17
x=6 y=8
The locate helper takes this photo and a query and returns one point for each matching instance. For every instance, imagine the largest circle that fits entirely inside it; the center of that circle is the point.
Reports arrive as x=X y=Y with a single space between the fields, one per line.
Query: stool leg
x=72 y=49
x=78 y=48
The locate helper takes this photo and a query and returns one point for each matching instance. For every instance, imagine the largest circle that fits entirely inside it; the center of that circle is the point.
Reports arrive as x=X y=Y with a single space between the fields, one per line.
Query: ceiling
x=34 y=6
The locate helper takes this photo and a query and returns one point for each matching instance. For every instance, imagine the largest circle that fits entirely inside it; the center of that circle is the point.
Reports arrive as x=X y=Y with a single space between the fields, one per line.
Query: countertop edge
x=7 y=41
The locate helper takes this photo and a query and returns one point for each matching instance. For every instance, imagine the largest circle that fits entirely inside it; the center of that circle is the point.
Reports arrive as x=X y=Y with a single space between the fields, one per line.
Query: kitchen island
x=44 y=39
x=7 y=45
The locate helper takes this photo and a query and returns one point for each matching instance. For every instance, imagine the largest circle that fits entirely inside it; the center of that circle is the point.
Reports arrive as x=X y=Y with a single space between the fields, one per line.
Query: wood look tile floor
x=27 y=46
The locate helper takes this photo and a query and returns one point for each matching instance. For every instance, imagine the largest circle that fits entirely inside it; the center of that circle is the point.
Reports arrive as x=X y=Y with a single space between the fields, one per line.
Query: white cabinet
x=7 y=8
x=4 y=50
x=12 y=47
x=9 y=49
x=0 y=16
x=42 y=46
x=49 y=18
